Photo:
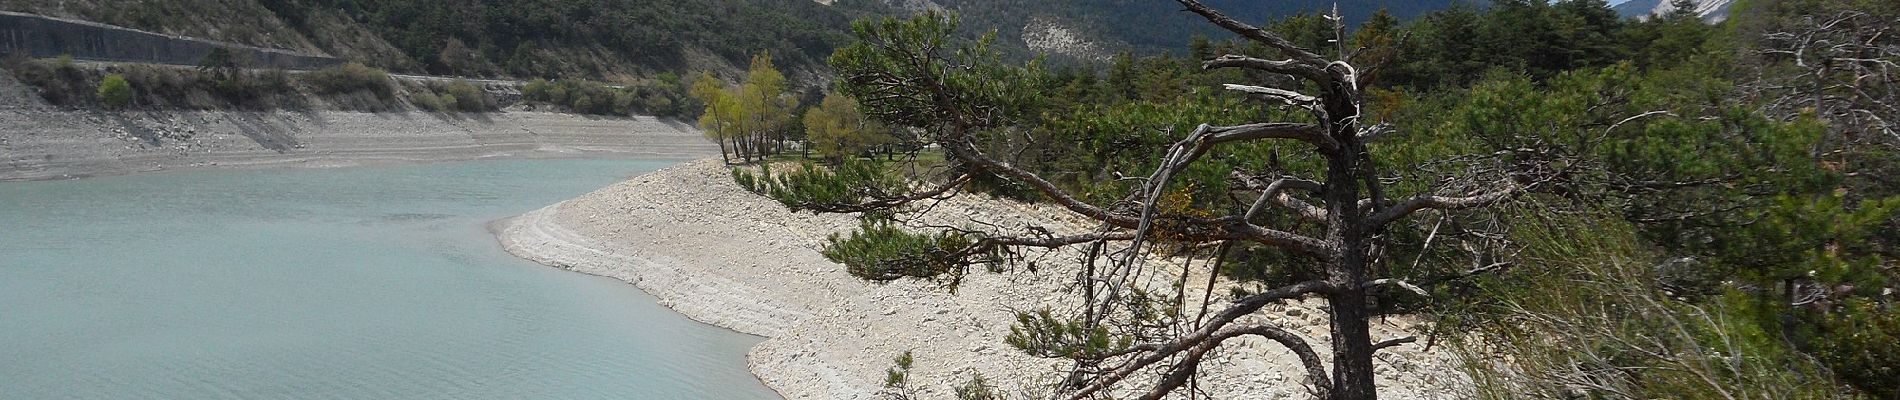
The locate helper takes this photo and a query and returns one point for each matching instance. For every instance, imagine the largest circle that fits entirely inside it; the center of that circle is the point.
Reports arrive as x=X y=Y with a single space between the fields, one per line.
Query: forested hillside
x=620 y=40
x=613 y=39
x=1161 y=24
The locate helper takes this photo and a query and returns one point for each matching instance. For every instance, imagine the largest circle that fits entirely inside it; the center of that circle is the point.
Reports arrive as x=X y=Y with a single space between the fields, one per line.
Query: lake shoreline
x=710 y=250
x=39 y=141
x=68 y=144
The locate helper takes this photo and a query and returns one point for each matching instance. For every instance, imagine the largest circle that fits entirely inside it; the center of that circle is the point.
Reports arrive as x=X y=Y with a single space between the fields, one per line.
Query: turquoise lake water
x=348 y=283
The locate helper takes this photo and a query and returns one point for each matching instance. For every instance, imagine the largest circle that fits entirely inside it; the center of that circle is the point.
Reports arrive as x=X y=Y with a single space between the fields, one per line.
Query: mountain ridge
x=1712 y=10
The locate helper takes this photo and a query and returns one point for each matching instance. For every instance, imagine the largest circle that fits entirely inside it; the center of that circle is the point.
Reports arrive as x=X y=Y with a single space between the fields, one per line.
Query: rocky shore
x=39 y=141
x=705 y=247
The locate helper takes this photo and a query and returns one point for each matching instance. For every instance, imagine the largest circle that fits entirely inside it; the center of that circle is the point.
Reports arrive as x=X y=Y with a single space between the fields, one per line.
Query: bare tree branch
x=1258 y=35
x=1214 y=326
x=1189 y=364
x=1276 y=193
x=885 y=201
x=1197 y=230
x=1375 y=132
x=1409 y=206
x=1393 y=342
x=1285 y=96
x=1408 y=286
x=1287 y=67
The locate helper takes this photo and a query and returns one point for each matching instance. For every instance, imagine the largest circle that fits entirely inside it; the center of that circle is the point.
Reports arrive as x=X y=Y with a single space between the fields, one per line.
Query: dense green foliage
x=624 y=40
x=809 y=187
x=836 y=129
x=599 y=39
x=881 y=251
x=115 y=92
x=1163 y=25
x=1584 y=306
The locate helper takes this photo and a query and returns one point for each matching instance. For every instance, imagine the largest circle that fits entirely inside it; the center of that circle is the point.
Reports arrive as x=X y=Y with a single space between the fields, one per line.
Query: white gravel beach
x=716 y=253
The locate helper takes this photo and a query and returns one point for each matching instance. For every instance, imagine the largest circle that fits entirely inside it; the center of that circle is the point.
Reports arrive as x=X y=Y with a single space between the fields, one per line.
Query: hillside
x=1714 y=10
x=624 y=40
x=613 y=39
x=1106 y=23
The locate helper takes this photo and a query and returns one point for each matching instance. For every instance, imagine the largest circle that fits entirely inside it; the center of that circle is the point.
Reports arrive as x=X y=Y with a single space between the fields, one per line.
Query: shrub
x=583 y=103
x=536 y=90
x=468 y=97
x=351 y=78
x=59 y=86
x=115 y=92
x=426 y=101
x=556 y=94
x=624 y=101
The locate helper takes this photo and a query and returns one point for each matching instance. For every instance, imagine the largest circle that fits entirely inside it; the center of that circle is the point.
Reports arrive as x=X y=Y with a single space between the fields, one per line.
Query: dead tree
x=1352 y=207
x=911 y=79
x=1841 y=66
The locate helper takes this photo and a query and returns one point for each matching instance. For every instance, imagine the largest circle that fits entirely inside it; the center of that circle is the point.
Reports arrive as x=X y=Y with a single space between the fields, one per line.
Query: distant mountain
x=1712 y=10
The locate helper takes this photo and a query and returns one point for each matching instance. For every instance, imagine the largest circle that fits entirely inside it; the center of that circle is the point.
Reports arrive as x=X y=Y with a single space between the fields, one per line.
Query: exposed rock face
x=1711 y=10
x=721 y=255
x=1044 y=34
x=911 y=6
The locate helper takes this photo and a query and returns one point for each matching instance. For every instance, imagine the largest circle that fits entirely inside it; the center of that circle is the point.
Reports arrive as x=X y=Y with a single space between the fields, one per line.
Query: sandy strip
x=719 y=255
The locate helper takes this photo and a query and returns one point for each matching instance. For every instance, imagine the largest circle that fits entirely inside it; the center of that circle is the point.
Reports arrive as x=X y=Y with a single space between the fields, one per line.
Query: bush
x=426 y=101
x=468 y=98
x=583 y=104
x=536 y=90
x=58 y=83
x=351 y=78
x=115 y=92
x=446 y=102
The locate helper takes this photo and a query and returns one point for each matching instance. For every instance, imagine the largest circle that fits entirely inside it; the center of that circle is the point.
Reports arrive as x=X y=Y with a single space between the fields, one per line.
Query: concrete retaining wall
x=40 y=36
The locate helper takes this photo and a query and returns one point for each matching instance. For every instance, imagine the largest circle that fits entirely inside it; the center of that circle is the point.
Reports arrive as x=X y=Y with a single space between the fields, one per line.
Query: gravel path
x=710 y=250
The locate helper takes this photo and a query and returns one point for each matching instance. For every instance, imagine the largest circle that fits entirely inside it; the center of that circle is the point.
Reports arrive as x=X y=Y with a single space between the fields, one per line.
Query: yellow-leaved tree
x=836 y=129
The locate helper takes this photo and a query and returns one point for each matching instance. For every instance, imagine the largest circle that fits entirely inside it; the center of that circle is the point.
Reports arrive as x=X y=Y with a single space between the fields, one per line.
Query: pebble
x=826 y=339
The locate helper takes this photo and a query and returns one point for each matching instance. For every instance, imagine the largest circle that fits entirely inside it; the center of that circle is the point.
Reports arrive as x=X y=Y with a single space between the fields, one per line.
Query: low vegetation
x=115 y=92
x=215 y=86
x=453 y=96
x=664 y=97
x=63 y=83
